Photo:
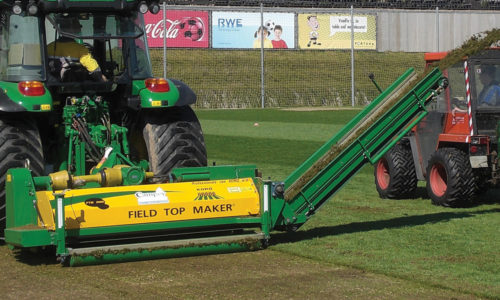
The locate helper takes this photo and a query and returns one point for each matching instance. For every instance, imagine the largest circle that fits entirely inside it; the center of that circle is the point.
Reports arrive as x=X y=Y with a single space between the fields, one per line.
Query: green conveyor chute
x=365 y=139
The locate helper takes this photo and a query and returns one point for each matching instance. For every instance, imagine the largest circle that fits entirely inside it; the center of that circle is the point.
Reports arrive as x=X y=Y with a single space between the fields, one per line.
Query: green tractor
x=72 y=112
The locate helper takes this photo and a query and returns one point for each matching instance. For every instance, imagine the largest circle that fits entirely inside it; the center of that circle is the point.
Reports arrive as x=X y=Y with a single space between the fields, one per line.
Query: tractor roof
x=434 y=56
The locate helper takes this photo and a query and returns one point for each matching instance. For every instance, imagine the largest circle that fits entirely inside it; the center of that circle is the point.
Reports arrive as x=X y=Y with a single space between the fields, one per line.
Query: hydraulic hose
x=79 y=125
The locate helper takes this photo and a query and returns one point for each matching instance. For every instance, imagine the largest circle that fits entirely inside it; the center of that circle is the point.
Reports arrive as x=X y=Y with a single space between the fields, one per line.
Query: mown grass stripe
x=274 y=130
x=280 y=115
x=259 y=150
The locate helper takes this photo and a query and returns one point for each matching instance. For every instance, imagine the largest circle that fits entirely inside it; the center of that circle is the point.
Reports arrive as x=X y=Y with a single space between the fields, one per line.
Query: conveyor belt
x=365 y=139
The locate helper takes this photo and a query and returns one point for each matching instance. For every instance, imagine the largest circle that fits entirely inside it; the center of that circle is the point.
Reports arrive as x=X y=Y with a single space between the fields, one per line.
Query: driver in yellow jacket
x=68 y=49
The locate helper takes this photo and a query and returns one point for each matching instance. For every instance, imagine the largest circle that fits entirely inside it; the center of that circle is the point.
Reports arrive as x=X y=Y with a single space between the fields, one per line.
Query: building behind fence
x=231 y=78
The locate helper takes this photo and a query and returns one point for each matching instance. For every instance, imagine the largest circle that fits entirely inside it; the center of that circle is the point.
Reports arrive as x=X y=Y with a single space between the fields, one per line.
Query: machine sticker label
x=207 y=196
x=237 y=189
x=96 y=202
x=458 y=120
x=157 y=197
x=234 y=189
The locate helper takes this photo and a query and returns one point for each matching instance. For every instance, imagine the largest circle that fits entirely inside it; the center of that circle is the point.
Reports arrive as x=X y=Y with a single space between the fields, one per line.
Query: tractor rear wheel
x=19 y=141
x=395 y=176
x=174 y=139
x=450 y=179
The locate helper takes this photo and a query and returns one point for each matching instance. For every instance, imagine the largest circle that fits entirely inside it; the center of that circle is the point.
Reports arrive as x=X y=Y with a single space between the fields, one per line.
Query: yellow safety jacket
x=74 y=51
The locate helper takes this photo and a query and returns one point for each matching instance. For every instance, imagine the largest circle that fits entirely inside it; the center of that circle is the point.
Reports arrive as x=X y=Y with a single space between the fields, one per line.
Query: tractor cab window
x=95 y=25
x=91 y=41
x=20 y=53
x=456 y=88
x=487 y=85
x=132 y=55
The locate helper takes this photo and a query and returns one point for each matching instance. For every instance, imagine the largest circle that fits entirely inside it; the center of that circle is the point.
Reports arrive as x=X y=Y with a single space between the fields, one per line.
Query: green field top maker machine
x=109 y=164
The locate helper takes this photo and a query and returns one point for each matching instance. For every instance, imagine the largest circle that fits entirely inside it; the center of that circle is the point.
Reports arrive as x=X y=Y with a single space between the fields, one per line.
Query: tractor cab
x=470 y=105
x=116 y=43
x=74 y=51
x=485 y=91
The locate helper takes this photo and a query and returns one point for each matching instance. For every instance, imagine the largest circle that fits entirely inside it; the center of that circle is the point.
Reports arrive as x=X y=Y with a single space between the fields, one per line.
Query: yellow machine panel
x=126 y=205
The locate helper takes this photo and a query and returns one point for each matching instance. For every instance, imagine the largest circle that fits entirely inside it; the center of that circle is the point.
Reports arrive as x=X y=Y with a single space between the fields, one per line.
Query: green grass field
x=455 y=249
x=356 y=247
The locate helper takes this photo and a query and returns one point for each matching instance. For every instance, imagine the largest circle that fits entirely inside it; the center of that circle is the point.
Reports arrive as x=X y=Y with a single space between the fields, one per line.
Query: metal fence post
x=164 y=40
x=437 y=28
x=262 y=89
x=352 y=55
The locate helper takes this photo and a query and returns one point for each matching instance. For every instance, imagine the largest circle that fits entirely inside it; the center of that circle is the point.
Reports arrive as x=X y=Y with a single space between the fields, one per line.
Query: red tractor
x=455 y=148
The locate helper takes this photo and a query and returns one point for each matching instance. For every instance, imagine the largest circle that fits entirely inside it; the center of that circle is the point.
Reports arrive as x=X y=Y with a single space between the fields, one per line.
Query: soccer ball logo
x=192 y=28
x=269 y=24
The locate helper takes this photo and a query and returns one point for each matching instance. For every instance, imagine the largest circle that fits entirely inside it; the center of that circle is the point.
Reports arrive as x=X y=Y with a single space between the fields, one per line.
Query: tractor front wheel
x=395 y=176
x=19 y=142
x=174 y=139
x=450 y=179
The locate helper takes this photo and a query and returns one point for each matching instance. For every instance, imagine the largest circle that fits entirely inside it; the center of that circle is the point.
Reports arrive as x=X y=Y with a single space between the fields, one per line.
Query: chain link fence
x=392 y=4
x=231 y=78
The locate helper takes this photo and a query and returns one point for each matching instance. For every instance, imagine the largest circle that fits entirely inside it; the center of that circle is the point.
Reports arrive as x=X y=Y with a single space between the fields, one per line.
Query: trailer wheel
x=450 y=179
x=19 y=141
x=174 y=139
x=395 y=176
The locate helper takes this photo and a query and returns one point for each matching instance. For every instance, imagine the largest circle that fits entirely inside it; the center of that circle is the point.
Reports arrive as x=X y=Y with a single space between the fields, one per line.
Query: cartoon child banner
x=333 y=31
x=242 y=30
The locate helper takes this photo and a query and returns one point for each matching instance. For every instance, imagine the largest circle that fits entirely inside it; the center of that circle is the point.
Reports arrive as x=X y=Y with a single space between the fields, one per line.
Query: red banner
x=184 y=29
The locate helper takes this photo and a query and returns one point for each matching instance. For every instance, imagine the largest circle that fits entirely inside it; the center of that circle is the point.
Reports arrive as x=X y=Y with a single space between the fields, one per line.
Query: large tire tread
x=402 y=178
x=174 y=139
x=19 y=140
x=462 y=185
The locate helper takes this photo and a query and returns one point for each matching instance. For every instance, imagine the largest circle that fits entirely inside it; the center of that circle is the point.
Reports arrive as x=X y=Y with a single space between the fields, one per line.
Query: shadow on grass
x=491 y=196
x=420 y=192
x=36 y=257
x=374 y=225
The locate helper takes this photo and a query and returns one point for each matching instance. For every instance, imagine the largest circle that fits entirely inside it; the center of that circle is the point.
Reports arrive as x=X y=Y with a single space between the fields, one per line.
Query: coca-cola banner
x=184 y=29
x=243 y=30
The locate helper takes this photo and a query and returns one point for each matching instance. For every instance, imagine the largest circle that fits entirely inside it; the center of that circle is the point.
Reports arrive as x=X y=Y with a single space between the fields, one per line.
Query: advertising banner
x=184 y=29
x=333 y=31
x=242 y=30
